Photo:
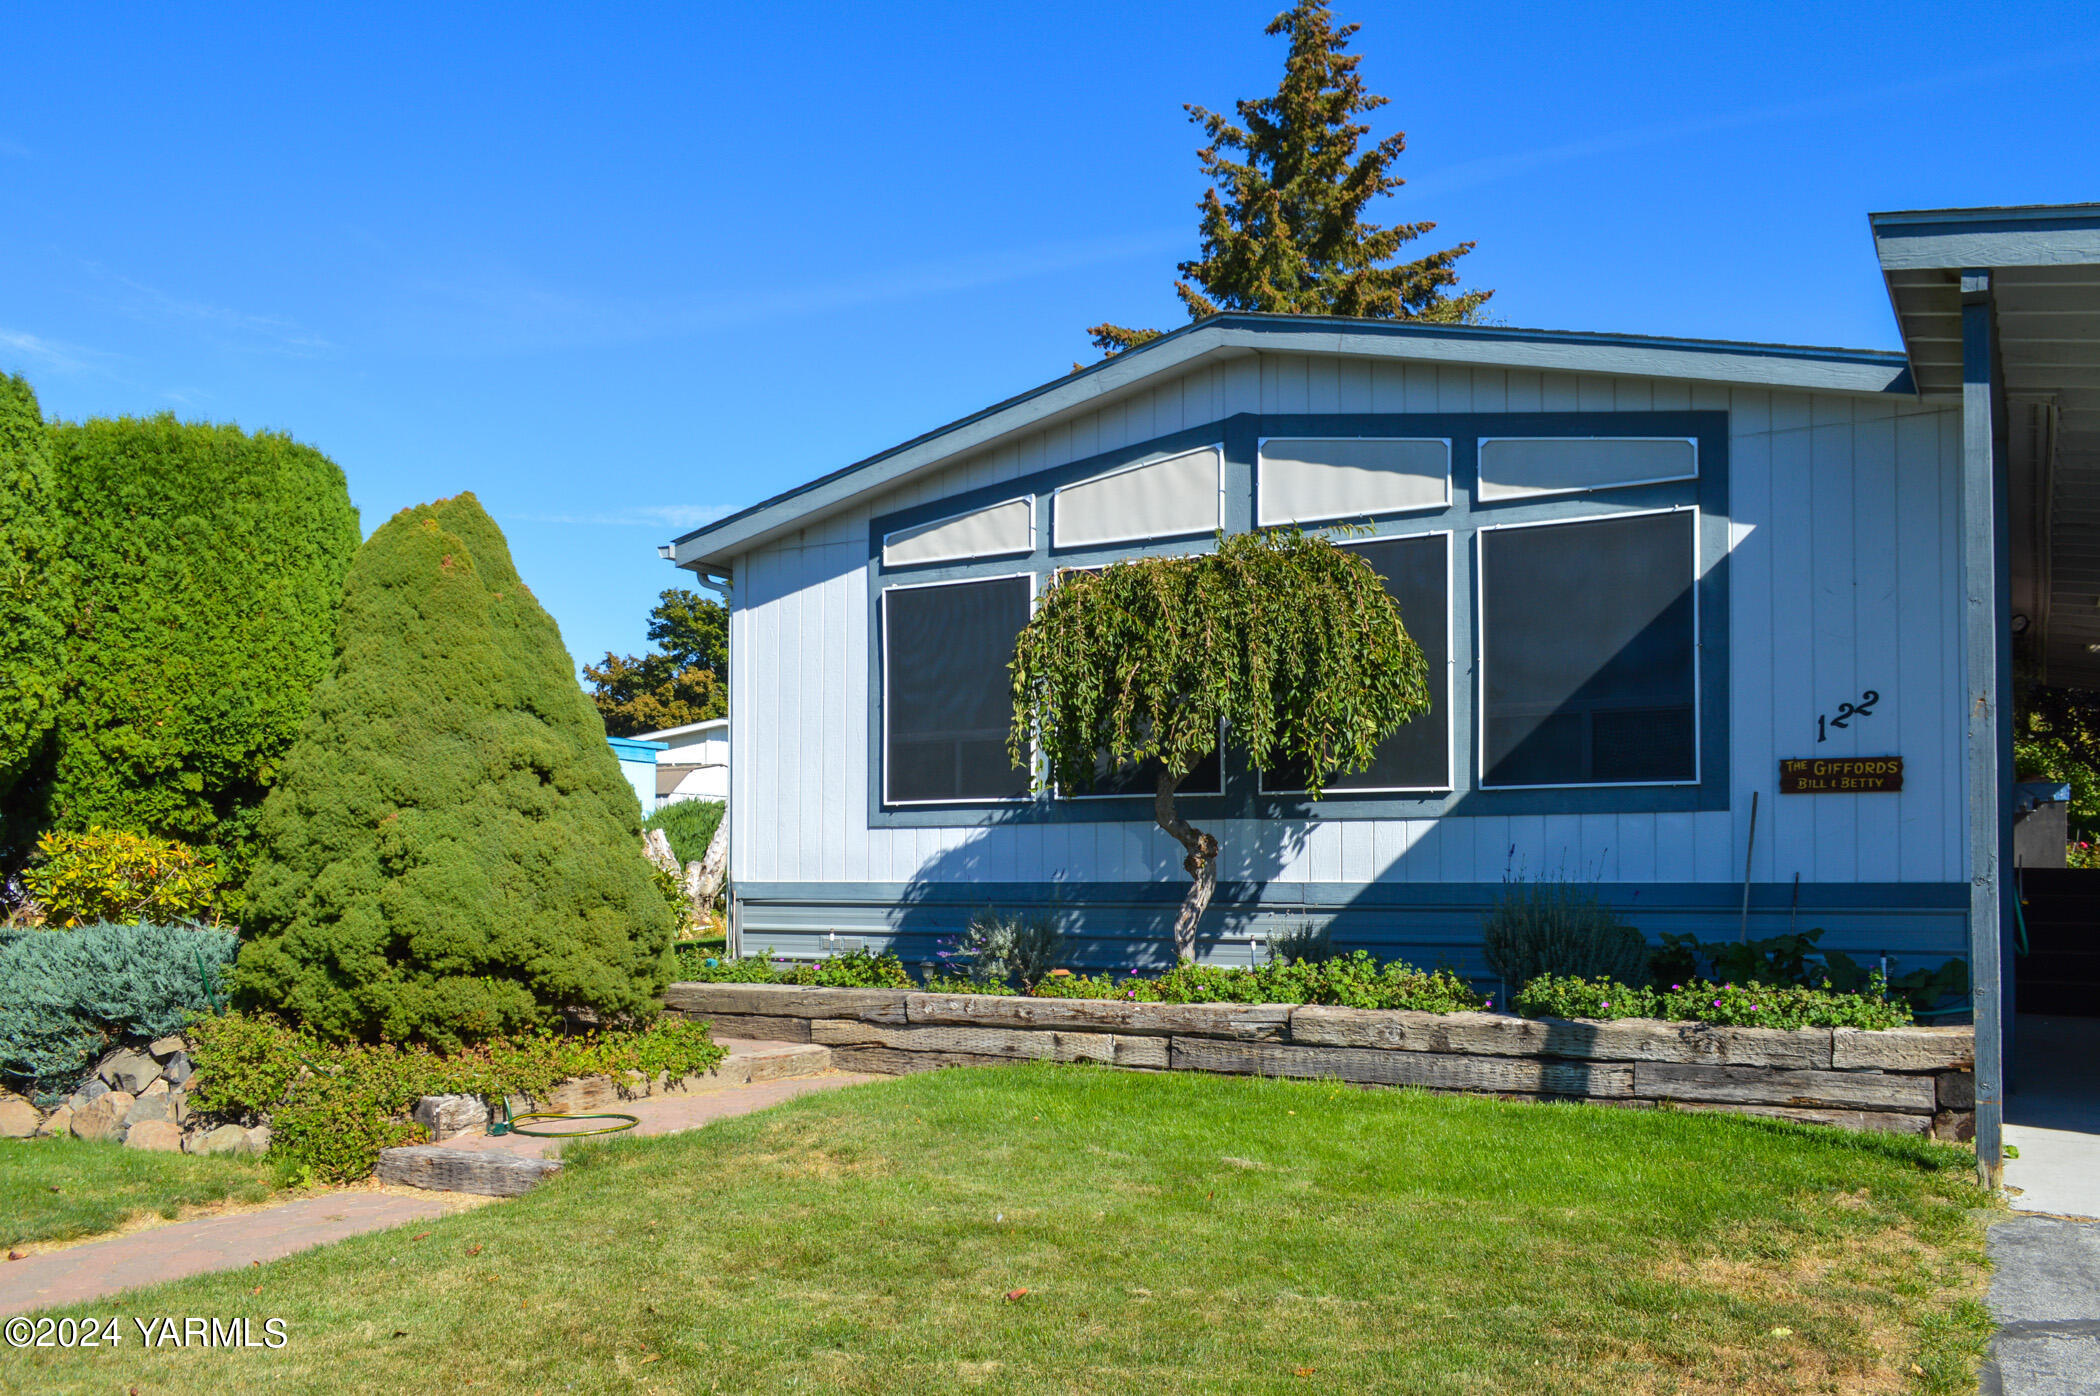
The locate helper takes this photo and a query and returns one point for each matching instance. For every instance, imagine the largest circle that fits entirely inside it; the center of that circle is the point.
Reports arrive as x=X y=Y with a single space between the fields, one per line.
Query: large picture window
x=1416 y=571
x=946 y=700
x=1589 y=651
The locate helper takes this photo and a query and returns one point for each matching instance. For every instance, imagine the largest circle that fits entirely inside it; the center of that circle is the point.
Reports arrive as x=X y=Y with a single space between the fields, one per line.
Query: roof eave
x=717 y=544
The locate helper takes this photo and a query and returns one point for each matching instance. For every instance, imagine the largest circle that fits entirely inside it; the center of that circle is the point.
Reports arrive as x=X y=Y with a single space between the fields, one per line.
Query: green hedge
x=66 y=996
x=206 y=567
x=36 y=584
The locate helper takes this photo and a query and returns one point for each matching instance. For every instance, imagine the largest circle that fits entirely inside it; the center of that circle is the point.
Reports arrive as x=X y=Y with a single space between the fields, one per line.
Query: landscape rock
x=103 y=1117
x=129 y=1071
x=162 y=1136
x=157 y=1086
x=634 y=1084
x=59 y=1121
x=93 y=1090
x=447 y=1115
x=150 y=1107
x=177 y=1070
x=18 y=1117
x=226 y=1139
x=257 y=1141
x=165 y=1047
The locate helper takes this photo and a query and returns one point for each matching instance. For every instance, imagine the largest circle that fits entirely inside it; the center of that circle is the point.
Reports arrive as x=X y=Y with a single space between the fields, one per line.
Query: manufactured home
x=1725 y=629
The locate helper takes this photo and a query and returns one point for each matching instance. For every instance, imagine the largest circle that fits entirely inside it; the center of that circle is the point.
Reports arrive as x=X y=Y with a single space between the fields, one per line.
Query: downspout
x=1987 y=675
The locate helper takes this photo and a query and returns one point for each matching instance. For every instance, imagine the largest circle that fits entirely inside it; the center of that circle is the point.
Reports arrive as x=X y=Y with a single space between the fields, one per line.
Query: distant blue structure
x=638 y=764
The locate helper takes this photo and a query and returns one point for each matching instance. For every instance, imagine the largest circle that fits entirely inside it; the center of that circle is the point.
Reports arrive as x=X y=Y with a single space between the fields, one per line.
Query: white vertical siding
x=1842 y=578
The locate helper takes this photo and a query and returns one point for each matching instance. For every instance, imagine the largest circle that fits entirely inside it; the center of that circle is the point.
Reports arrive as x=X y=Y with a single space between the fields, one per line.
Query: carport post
x=1987 y=674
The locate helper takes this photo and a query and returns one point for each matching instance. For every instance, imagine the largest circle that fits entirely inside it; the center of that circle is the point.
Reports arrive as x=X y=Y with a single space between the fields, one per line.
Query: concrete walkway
x=2045 y=1294
x=2052 y=1116
x=181 y=1249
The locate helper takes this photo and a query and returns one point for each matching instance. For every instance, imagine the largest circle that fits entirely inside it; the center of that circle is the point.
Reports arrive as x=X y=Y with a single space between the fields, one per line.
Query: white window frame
x=1451 y=642
x=1480 y=656
x=1263 y=519
x=1034 y=755
x=1033 y=526
x=1481 y=488
x=1216 y=452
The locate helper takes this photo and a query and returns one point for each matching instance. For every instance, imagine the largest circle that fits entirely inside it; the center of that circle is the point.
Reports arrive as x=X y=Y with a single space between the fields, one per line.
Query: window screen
x=1514 y=467
x=1308 y=478
x=946 y=701
x=1417 y=573
x=1001 y=529
x=1589 y=651
x=1160 y=499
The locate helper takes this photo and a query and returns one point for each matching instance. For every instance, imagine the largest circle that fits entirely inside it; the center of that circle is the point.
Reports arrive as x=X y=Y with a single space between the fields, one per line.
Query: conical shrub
x=452 y=852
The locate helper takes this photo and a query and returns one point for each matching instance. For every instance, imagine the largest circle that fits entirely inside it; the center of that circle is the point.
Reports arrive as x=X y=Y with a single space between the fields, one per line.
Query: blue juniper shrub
x=66 y=996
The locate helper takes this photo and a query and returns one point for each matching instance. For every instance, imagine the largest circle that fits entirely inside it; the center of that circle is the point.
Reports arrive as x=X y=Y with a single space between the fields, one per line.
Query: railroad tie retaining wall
x=1914 y=1080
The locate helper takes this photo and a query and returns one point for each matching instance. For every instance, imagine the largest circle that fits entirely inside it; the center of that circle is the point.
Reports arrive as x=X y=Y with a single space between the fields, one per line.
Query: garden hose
x=204 y=979
x=506 y=1123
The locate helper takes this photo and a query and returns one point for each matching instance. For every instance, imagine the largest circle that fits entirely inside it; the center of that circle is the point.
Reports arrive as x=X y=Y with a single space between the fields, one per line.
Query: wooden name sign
x=1841 y=775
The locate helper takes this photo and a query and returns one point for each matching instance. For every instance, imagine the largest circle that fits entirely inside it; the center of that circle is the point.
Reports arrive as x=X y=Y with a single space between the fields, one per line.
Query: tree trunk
x=1201 y=865
x=704 y=879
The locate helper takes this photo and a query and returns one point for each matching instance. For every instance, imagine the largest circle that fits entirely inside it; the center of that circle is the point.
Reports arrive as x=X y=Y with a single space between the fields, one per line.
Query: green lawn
x=60 y=1188
x=1171 y=1233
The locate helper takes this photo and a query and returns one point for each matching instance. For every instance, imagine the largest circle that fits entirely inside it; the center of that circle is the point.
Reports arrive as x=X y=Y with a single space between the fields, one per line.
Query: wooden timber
x=1435 y=1070
x=1801 y=1090
x=786 y=1001
x=1619 y=1040
x=1243 y=1022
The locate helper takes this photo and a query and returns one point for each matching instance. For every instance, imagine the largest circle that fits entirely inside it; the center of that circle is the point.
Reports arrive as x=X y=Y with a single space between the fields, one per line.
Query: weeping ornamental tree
x=1282 y=223
x=452 y=852
x=1286 y=640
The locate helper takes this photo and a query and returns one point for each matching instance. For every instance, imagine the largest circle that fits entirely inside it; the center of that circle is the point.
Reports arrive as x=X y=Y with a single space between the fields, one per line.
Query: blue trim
x=635 y=749
x=1128 y=925
x=1690 y=896
x=1239 y=436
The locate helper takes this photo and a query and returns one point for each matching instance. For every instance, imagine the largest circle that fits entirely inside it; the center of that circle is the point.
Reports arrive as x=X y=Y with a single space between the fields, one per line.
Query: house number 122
x=1846 y=712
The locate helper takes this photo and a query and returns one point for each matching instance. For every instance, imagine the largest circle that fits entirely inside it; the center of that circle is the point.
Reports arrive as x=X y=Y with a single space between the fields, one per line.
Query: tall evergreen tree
x=34 y=588
x=452 y=852
x=686 y=678
x=203 y=569
x=1283 y=229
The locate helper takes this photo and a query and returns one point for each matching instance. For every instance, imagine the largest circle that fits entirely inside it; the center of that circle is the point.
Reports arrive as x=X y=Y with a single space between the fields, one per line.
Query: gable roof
x=1232 y=335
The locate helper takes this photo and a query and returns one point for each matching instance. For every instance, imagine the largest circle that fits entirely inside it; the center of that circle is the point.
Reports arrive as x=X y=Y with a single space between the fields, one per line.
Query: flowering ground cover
x=1068 y=1228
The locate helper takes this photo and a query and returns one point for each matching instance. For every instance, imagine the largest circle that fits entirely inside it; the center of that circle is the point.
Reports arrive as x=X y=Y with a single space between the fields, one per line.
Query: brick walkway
x=227 y=1243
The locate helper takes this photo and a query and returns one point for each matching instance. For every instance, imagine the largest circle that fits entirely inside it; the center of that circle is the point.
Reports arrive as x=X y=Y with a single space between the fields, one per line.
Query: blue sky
x=619 y=271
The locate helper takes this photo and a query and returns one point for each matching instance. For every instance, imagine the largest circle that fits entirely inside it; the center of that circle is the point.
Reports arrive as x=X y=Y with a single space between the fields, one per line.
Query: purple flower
x=1607 y=1003
x=1677 y=986
x=1717 y=1003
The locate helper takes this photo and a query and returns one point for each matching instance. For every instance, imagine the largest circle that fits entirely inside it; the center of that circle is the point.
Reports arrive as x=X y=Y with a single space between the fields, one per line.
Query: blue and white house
x=1647 y=573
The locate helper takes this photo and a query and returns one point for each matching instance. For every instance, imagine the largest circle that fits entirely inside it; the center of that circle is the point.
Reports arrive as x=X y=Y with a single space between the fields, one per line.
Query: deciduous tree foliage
x=35 y=586
x=205 y=567
x=452 y=852
x=1287 y=640
x=1283 y=229
x=685 y=680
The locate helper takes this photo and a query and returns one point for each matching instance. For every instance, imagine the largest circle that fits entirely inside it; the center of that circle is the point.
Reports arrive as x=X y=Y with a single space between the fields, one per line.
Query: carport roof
x=2043 y=263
